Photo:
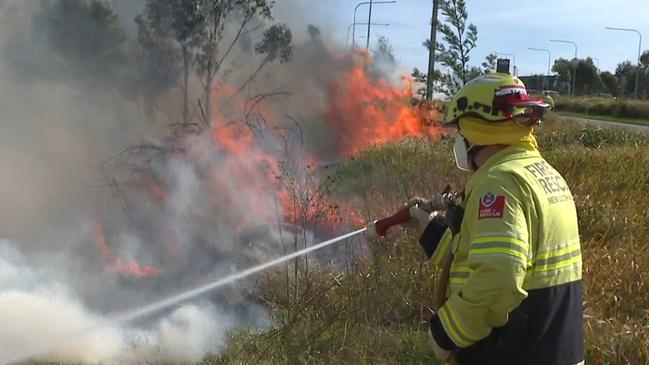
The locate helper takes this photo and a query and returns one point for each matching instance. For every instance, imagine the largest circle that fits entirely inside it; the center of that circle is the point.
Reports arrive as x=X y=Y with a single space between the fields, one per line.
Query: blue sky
x=504 y=26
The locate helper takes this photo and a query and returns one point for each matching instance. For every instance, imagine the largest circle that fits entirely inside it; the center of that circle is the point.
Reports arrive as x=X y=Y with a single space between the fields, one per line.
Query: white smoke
x=42 y=320
x=58 y=126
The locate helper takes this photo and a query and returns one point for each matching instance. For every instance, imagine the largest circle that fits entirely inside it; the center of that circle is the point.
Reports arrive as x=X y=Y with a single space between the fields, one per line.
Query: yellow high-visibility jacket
x=514 y=294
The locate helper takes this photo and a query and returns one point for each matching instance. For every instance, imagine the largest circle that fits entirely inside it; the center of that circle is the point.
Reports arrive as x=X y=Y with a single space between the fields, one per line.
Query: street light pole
x=547 y=83
x=637 y=71
x=356 y=8
x=546 y=51
x=574 y=73
x=349 y=27
x=512 y=56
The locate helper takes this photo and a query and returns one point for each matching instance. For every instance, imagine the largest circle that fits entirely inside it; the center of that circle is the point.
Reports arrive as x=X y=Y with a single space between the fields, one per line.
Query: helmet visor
x=517 y=106
x=529 y=115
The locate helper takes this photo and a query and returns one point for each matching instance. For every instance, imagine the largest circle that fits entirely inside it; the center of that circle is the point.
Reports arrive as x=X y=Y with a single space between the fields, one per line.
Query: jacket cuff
x=430 y=239
x=440 y=336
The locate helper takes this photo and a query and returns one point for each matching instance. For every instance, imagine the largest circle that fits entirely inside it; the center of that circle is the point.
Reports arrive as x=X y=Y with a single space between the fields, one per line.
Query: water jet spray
x=183 y=296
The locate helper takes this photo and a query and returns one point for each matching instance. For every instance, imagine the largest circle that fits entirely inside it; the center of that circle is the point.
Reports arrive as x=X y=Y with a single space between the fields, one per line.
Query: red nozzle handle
x=400 y=217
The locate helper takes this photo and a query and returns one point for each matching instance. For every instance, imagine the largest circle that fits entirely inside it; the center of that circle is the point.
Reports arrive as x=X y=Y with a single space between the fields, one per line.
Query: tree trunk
x=208 y=96
x=185 y=84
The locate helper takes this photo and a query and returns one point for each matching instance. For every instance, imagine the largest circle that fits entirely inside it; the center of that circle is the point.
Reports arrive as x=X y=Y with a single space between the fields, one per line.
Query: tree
x=490 y=63
x=422 y=78
x=164 y=25
x=458 y=41
x=159 y=63
x=205 y=32
x=644 y=60
x=611 y=84
x=84 y=35
x=276 y=44
x=563 y=68
x=625 y=73
x=384 y=54
x=587 y=80
x=643 y=88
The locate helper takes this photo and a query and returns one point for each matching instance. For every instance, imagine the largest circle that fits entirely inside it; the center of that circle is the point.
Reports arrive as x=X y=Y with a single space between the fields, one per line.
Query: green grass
x=607 y=118
x=625 y=109
x=374 y=311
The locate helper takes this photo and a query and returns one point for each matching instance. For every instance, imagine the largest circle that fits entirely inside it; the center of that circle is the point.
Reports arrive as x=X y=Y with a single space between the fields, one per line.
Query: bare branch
x=245 y=20
x=203 y=117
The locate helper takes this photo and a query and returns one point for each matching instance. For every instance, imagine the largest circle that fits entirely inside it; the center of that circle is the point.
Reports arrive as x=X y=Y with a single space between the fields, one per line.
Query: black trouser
x=546 y=329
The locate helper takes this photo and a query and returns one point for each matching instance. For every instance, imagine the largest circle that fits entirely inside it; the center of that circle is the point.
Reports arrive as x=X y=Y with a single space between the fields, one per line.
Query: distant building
x=541 y=82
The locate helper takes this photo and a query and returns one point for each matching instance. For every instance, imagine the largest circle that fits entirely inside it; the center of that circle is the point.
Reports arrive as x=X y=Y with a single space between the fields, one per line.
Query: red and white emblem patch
x=491 y=206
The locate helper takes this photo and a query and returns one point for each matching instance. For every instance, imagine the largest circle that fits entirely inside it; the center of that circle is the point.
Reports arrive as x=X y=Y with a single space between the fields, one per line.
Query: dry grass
x=373 y=310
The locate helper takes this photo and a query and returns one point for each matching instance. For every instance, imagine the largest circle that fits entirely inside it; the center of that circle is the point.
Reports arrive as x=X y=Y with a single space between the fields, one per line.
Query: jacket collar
x=510 y=153
x=513 y=152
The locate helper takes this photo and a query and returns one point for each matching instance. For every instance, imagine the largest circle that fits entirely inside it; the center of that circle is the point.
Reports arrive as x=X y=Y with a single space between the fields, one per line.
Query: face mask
x=460 y=151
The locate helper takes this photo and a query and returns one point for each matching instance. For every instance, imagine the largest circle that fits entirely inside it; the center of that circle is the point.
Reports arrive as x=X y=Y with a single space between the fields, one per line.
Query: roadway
x=608 y=123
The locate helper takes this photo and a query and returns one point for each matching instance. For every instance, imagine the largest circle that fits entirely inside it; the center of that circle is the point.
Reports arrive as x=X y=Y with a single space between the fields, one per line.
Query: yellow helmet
x=496 y=98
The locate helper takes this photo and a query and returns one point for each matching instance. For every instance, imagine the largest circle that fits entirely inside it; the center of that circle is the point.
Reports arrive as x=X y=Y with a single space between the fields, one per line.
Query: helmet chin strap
x=472 y=153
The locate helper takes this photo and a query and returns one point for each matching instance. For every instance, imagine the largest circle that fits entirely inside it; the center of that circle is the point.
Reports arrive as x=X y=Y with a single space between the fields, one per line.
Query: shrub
x=625 y=108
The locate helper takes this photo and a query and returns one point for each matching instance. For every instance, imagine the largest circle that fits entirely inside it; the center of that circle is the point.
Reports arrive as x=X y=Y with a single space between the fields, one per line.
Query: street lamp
x=512 y=56
x=547 y=82
x=349 y=27
x=356 y=8
x=546 y=51
x=637 y=71
x=574 y=73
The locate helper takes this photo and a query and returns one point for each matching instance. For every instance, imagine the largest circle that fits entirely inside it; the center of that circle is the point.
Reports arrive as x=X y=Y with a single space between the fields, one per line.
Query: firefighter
x=514 y=293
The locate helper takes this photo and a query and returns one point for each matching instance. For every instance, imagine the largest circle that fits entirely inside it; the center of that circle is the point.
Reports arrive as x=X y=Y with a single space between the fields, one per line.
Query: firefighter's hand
x=420 y=202
x=420 y=213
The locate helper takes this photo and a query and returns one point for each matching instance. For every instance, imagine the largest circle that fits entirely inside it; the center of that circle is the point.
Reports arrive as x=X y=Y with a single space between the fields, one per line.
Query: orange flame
x=114 y=264
x=363 y=112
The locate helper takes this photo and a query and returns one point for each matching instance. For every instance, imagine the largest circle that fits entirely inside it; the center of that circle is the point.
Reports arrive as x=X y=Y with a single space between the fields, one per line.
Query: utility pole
x=431 y=53
x=356 y=8
x=369 y=26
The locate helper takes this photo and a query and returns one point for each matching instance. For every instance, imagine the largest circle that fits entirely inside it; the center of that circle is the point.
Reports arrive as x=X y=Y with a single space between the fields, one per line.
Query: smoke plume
x=110 y=202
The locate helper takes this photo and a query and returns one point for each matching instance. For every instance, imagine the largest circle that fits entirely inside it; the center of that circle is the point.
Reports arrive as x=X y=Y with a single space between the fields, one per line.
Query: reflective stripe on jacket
x=514 y=294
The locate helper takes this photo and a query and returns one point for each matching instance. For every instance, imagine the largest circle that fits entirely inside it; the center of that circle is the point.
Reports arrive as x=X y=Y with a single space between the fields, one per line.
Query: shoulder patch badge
x=491 y=206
